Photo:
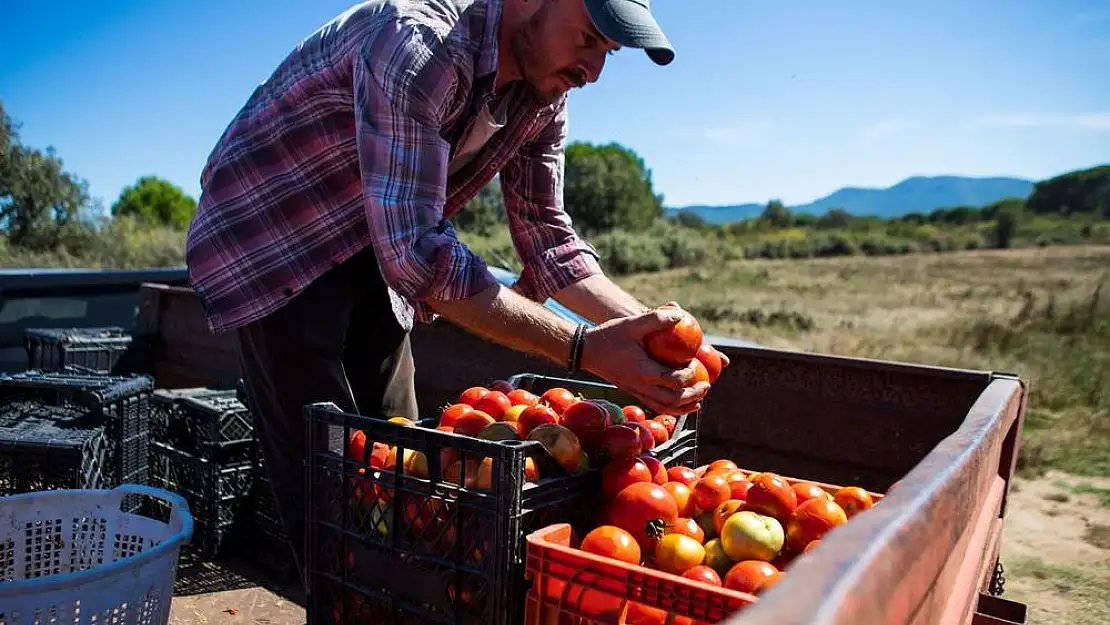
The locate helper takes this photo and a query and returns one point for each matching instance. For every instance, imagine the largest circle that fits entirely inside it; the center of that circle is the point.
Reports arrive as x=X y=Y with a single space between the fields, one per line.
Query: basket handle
x=177 y=502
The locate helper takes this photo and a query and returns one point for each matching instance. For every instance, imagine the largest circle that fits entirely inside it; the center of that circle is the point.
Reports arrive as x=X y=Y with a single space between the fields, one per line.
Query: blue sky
x=765 y=99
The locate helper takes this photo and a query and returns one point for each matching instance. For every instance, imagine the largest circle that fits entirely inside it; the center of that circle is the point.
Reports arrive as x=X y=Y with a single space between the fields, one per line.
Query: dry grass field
x=1043 y=313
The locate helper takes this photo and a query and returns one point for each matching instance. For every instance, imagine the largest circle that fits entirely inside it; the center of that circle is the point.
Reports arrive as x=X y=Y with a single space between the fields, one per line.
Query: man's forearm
x=599 y=299
x=512 y=320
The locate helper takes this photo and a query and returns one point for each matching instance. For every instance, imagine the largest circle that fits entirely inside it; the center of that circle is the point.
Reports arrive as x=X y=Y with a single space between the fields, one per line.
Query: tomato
x=772 y=496
x=521 y=397
x=700 y=374
x=621 y=441
x=682 y=497
x=711 y=491
x=451 y=414
x=471 y=395
x=716 y=558
x=678 y=553
x=494 y=403
x=612 y=542
x=658 y=431
x=531 y=472
x=356 y=446
x=669 y=421
x=647 y=439
x=712 y=361
x=588 y=420
x=722 y=512
x=558 y=398
x=445 y=428
x=685 y=475
x=534 y=416
x=634 y=414
x=621 y=472
x=561 y=443
x=513 y=414
x=689 y=527
x=704 y=574
x=675 y=346
x=808 y=490
x=646 y=510
x=658 y=470
x=738 y=484
x=705 y=522
x=811 y=521
x=724 y=464
x=503 y=386
x=853 y=500
x=473 y=422
x=750 y=576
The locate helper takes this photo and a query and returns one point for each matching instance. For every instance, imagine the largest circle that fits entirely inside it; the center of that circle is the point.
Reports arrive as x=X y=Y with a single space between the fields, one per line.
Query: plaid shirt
x=347 y=145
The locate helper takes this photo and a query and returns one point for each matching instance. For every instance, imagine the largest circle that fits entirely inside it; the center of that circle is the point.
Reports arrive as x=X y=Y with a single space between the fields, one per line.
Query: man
x=323 y=231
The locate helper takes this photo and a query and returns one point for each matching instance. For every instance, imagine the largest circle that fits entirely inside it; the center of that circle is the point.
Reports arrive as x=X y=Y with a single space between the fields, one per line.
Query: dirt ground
x=1056 y=554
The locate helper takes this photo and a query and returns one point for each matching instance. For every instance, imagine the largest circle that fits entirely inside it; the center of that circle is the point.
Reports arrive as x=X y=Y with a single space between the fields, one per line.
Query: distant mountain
x=916 y=194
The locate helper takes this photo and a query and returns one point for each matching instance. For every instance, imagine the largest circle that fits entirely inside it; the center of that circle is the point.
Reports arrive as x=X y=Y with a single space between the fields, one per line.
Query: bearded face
x=558 y=48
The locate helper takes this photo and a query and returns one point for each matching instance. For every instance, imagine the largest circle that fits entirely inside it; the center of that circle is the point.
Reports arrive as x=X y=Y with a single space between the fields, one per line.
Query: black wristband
x=574 y=360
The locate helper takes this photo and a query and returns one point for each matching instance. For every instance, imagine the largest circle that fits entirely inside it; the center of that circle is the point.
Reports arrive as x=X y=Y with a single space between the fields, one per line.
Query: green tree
x=689 y=219
x=484 y=213
x=777 y=214
x=834 y=218
x=42 y=206
x=156 y=202
x=607 y=187
x=1006 y=219
x=1078 y=191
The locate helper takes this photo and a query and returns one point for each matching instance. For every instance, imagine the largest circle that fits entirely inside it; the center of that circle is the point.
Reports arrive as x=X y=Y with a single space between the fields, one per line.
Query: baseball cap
x=631 y=24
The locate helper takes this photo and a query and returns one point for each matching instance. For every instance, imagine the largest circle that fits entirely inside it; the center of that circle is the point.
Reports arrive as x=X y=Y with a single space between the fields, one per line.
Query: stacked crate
x=97 y=351
x=63 y=430
x=204 y=450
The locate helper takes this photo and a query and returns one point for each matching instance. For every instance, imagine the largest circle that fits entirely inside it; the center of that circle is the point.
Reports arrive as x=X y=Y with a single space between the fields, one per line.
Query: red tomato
x=750 y=576
x=356 y=446
x=645 y=510
x=657 y=468
x=772 y=496
x=534 y=416
x=808 y=490
x=588 y=420
x=494 y=403
x=711 y=491
x=558 y=398
x=722 y=512
x=634 y=413
x=621 y=472
x=723 y=464
x=704 y=574
x=473 y=422
x=685 y=475
x=688 y=527
x=853 y=500
x=451 y=414
x=621 y=441
x=811 y=521
x=521 y=397
x=682 y=498
x=675 y=346
x=668 y=421
x=612 y=542
x=658 y=431
x=700 y=374
x=471 y=395
x=712 y=361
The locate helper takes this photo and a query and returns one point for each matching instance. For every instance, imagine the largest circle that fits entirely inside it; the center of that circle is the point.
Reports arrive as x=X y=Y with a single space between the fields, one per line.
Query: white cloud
x=881 y=130
x=1097 y=122
x=749 y=134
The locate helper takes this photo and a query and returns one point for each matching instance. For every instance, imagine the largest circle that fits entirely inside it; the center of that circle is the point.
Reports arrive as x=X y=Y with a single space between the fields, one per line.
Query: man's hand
x=614 y=351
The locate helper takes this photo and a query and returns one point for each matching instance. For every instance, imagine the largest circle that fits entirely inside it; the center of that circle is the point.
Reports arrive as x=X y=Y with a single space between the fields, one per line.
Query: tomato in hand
x=712 y=361
x=612 y=542
x=675 y=346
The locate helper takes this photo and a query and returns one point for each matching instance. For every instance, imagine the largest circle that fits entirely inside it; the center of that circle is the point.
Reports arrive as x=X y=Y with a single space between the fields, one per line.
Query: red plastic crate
x=573 y=587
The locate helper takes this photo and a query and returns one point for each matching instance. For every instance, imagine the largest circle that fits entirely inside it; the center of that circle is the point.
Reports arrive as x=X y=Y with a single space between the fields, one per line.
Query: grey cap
x=631 y=24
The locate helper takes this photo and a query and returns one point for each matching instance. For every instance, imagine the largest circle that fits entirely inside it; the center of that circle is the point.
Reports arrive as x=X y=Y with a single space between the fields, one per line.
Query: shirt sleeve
x=553 y=255
x=403 y=82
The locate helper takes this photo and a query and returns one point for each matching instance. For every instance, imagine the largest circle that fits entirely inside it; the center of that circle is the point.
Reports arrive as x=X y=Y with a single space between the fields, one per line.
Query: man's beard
x=528 y=53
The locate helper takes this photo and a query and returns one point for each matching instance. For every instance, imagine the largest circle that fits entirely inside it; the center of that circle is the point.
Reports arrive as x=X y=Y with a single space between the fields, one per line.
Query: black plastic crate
x=210 y=423
x=92 y=350
x=394 y=547
x=539 y=384
x=217 y=494
x=123 y=402
x=266 y=543
x=46 y=447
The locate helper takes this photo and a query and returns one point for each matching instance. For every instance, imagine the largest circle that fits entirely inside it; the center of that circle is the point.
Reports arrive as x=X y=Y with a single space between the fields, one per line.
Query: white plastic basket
x=74 y=557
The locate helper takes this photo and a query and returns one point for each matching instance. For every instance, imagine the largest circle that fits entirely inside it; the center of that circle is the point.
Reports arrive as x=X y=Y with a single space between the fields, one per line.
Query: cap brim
x=631 y=25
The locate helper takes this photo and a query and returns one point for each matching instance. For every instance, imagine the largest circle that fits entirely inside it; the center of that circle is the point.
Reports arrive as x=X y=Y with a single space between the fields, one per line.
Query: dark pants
x=337 y=341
